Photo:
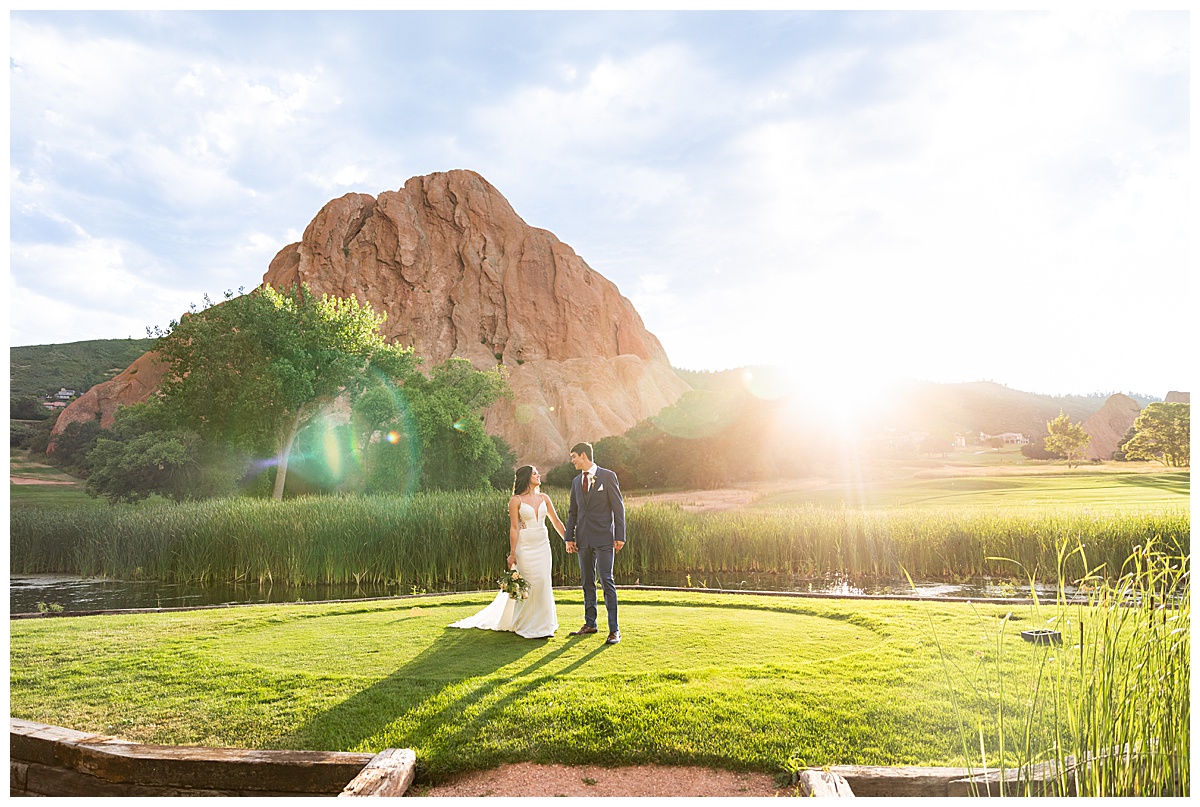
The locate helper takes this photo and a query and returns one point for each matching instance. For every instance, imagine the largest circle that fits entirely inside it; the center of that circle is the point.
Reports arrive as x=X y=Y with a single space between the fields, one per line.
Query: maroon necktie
x=585 y=483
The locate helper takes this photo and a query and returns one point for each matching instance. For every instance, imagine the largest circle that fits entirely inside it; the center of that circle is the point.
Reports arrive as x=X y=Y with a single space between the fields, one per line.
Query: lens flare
x=334 y=454
x=461 y=424
x=392 y=437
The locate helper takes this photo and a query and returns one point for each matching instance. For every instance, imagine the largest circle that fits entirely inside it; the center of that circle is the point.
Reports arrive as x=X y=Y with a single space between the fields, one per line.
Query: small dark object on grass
x=1042 y=636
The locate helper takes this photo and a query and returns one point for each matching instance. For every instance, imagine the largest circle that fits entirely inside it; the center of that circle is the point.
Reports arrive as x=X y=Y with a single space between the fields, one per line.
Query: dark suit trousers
x=593 y=560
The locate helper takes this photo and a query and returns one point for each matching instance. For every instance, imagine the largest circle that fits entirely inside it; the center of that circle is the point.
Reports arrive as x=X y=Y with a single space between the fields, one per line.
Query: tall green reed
x=1107 y=711
x=434 y=538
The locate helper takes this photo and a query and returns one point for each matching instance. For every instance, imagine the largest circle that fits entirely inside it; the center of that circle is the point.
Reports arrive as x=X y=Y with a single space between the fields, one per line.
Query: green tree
x=1119 y=454
x=455 y=451
x=39 y=443
x=1162 y=432
x=255 y=369
x=71 y=447
x=620 y=455
x=502 y=477
x=427 y=431
x=144 y=453
x=1067 y=439
x=26 y=407
x=560 y=476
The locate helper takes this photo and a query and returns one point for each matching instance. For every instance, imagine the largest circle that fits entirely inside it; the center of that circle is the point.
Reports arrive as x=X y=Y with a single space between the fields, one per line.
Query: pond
x=26 y=592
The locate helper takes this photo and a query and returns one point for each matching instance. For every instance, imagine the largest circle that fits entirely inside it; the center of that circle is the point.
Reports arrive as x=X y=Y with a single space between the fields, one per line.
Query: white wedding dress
x=534 y=617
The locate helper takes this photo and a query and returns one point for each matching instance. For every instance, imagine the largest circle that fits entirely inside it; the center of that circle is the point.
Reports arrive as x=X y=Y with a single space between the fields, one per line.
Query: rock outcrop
x=134 y=384
x=1179 y=397
x=1108 y=426
x=459 y=273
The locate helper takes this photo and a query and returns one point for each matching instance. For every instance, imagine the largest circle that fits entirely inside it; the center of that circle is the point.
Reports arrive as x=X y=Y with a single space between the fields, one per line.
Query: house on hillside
x=64 y=394
x=1008 y=438
x=54 y=404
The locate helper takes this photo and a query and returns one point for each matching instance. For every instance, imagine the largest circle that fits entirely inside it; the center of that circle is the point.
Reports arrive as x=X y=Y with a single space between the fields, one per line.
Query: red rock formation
x=1179 y=397
x=136 y=383
x=1109 y=425
x=459 y=273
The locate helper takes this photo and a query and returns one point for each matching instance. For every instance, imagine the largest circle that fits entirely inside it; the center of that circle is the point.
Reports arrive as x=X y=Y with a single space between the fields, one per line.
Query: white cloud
x=865 y=200
x=75 y=291
x=347 y=176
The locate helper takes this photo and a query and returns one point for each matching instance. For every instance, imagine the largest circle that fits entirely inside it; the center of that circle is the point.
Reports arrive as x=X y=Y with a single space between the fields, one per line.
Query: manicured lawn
x=734 y=681
x=54 y=495
x=65 y=496
x=1100 y=491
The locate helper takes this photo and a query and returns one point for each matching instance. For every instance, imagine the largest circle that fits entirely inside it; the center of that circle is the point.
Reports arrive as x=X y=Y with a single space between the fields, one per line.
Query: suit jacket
x=598 y=517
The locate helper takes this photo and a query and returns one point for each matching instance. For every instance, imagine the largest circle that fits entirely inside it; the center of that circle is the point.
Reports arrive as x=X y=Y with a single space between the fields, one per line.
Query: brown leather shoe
x=584 y=631
x=613 y=638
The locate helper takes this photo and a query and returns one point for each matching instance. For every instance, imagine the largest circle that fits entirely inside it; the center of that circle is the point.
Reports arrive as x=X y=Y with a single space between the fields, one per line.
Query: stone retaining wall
x=52 y=761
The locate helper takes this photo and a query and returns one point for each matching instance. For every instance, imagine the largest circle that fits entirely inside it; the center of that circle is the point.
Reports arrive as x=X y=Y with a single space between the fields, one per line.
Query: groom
x=596 y=530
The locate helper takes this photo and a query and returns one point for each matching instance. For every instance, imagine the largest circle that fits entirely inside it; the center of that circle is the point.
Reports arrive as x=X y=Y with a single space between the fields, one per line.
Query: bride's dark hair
x=521 y=479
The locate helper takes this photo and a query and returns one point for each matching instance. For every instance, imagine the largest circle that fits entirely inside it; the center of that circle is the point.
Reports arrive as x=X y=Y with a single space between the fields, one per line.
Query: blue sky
x=951 y=196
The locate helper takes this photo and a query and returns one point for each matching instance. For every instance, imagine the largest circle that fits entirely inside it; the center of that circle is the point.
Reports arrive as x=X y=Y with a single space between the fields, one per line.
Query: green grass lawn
x=53 y=495
x=734 y=681
x=1100 y=491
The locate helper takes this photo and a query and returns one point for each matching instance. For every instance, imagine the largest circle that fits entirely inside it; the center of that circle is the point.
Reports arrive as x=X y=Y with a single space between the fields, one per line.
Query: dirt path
x=28 y=480
x=530 y=779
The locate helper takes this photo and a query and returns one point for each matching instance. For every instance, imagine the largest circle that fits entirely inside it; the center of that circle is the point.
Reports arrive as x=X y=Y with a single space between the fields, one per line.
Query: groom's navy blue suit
x=597 y=519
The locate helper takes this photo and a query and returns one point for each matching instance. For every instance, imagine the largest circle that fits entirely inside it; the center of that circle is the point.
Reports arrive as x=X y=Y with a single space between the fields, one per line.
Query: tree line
x=1161 y=433
x=258 y=375
x=276 y=392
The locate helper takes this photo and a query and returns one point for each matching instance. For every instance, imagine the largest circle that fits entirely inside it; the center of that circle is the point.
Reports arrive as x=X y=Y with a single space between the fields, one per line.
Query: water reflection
x=26 y=592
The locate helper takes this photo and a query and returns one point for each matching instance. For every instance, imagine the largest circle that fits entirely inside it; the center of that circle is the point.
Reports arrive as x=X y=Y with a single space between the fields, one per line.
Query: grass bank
x=732 y=681
x=735 y=681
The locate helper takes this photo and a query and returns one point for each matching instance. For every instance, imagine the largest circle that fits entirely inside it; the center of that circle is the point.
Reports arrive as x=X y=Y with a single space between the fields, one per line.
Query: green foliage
x=1119 y=455
x=456 y=453
x=502 y=477
x=20 y=435
x=1035 y=449
x=72 y=446
x=144 y=453
x=709 y=439
x=38 y=370
x=1067 y=439
x=40 y=439
x=26 y=407
x=563 y=475
x=1116 y=690
x=254 y=370
x=1162 y=432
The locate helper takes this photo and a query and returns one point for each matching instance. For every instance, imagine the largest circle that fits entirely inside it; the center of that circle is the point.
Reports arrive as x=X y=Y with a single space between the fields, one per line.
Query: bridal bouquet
x=514 y=585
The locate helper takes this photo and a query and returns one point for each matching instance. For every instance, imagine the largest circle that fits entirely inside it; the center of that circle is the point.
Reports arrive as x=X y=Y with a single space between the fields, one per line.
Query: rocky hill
x=1108 y=426
x=459 y=273
x=37 y=370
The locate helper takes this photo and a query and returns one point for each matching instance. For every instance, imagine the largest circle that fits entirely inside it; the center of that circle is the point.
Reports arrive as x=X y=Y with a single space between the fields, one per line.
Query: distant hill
x=918 y=405
x=39 y=370
x=921 y=406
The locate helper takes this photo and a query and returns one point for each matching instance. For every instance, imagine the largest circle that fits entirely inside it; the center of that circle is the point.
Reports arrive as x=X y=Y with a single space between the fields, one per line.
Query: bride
x=529 y=542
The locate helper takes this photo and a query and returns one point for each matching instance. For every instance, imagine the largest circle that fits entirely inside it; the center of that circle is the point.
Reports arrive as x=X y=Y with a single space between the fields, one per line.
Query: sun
x=841 y=394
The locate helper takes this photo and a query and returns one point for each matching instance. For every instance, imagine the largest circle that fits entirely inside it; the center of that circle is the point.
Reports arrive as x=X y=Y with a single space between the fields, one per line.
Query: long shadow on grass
x=432 y=692
x=1171 y=482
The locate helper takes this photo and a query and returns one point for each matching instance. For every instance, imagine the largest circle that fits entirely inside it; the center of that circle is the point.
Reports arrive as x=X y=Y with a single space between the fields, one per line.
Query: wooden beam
x=389 y=774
